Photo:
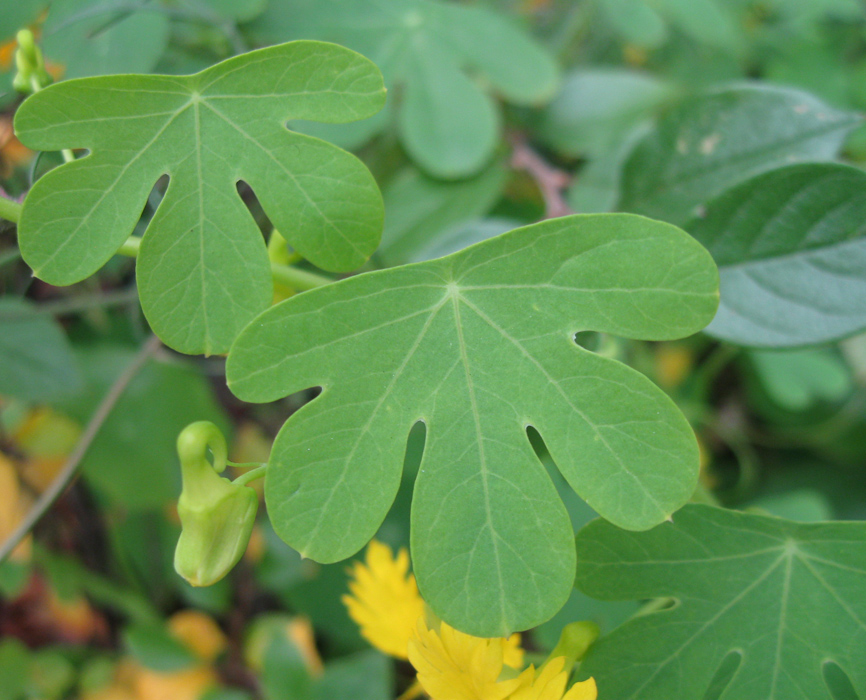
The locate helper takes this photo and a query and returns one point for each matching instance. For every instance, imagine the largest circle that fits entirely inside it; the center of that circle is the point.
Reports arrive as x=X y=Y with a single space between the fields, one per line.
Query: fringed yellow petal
x=548 y=683
x=452 y=665
x=384 y=600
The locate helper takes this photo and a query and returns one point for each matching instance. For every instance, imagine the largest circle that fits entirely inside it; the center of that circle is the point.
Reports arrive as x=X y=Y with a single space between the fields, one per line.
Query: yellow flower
x=548 y=683
x=452 y=665
x=385 y=602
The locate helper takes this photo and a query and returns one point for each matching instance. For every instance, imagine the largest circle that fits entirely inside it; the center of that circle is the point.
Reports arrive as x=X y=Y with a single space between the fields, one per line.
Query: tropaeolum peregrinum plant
x=479 y=346
x=203 y=270
x=779 y=599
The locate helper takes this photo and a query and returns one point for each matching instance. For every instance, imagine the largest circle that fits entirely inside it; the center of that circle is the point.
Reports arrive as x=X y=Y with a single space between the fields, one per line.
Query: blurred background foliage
x=503 y=113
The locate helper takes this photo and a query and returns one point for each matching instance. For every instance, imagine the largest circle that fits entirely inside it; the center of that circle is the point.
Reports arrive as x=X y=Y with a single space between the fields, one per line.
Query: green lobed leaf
x=203 y=269
x=598 y=106
x=791 y=249
x=479 y=345
x=421 y=209
x=714 y=141
x=448 y=122
x=38 y=364
x=786 y=598
x=798 y=379
x=95 y=37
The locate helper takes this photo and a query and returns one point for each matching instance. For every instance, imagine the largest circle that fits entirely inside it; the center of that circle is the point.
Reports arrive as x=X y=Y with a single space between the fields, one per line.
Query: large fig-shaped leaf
x=781 y=600
x=203 y=268
x=480 y=345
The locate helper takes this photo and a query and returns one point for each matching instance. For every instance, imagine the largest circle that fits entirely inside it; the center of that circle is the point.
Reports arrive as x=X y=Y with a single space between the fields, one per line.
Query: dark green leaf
x=365 y=676
x=137 y=441
x=791 y=249
x=203 y=269
x=155 y=648
x=478 y=346
x=37 y=364
x=798 y=379
x=714 y=141
x=786 y=597
x=95 y=37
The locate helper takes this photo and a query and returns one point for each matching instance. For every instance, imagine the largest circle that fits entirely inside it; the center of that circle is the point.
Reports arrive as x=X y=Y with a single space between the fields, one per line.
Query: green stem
x=251 y=475
x=9 y=210
x=64 y=307
x=130 y=247
x=297 y=279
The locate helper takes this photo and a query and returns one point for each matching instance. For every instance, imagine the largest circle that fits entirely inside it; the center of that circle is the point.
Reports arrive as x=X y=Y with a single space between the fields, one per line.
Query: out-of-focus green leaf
x=97 y=37
x=714 y=141
x=597 y=107
x=636 y=22
x=463 y=235
x=284 y=674
x=797 y=379
x=420 y=210
x=240 y=10
x=17 y=15
x=154 y=647
x=136 y=443
x=37 y=361
x=447 y=122
x=203 y=270
x=14 y=668
x=785 y=597
x=51 y=674
x=802 y=505
x=645 y=22
x=367 y=675
x=596 y=187
x=479 y=345
x=791 y=249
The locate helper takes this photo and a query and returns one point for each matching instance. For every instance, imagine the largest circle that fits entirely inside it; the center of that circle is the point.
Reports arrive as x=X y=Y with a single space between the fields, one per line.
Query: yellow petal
x=585 y=690
x=452 y=665
x=384 y=599
x=199 y=632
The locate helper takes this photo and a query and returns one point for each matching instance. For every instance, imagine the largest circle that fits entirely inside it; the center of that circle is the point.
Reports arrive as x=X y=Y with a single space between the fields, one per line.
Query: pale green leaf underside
x=479 y=345
x=712 y=142
x=786 y=597
x=791 y=249
x=203 y=268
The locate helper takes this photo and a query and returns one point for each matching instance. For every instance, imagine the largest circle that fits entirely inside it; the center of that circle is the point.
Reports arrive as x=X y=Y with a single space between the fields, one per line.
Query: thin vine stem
x=251 y=475
x=58 y=486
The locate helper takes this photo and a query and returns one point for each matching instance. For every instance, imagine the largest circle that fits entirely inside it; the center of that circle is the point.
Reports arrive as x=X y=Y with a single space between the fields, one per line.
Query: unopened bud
x=216 y=515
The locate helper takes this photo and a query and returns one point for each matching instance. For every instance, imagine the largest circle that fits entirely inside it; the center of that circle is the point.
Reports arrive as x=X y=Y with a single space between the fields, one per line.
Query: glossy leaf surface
x=791 y=249
x=203 y=269
x=786 y=598
x=717 y=140
x=479 y=345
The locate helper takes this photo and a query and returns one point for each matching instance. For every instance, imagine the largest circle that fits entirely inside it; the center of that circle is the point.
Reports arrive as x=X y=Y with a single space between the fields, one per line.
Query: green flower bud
x=216 y=515
x=574 y=642
x=30 y=64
